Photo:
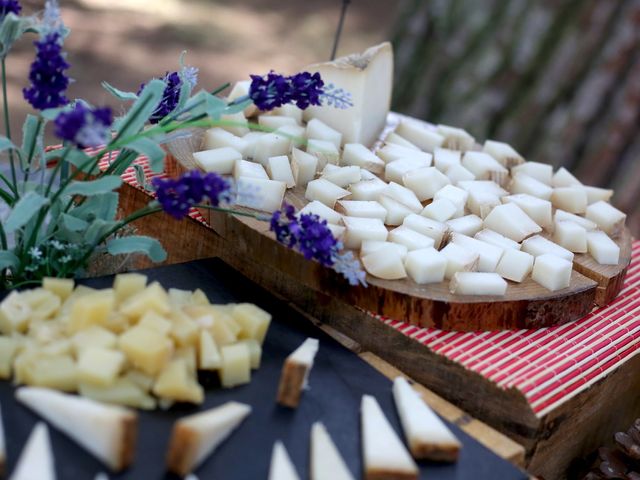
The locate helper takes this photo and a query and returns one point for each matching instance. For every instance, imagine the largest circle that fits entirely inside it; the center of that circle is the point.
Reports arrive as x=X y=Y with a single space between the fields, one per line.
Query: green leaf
x=98 y=229
x=141 y=110
x=23 y=211
x=8 y=260
x=103 y=207
x=6 y=144
x=94 y=187
x=11 y=29
x=237 y=107
x=137 y=244
x=52 y=113
x=80 y=160
x=119 y=94
x=74 y=224
x=215 y=106
x=154 y=152
x=30 y=131
x=141 y=178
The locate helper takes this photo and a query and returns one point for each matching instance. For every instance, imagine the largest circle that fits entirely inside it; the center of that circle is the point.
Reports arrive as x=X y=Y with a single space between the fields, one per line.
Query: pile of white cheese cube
x=430 y=204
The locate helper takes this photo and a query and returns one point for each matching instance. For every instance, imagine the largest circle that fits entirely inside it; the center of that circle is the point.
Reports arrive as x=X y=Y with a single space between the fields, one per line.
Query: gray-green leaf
x=152 y=150
x=11 y=29
x=6 y=144
x=94 y=187
x=237 y=107
x=103 y=207
x=119 y=94
x=30 y=132
x=137 y=244
x=74 y=224
x=141 y=110
x=8 y=260
x=23 y=211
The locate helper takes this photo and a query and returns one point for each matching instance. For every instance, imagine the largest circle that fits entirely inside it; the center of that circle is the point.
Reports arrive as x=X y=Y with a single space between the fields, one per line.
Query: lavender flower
x=271 y=91
x=9 y=6
x=177 y=196
x=84 y=126
x=48 y=80
x=347 y=265
x=171 y=95
x=306 y=89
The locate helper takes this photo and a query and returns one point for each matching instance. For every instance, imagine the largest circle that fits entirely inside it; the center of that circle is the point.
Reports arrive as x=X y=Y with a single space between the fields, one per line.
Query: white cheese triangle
x=107 y=432
x=428 y=437
x=281 y=465
x=36 y=460
x=368 y=77
x=326 y=461
x=384 y=454
x=195 y=437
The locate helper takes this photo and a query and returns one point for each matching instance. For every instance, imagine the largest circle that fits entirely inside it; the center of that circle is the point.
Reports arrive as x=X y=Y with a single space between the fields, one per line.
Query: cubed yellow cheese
x=209 y=355
x=117 y=322
x=178 y=297
x=123 y=391
x=45 y=331
x=128 y=284
x=43 y=303
x=94 y=336
x=15 y=314
x=253 y=320
x=198 y=297
x=91 y=309
x=62 y=287
x=99 y=366
x=8 y=350
x=255 y=352
x=145 y=348
x=157 y=322
x=53 y=371
x=141 y=379
x=153 y=298
x=190 y=357
x=184 y=331
x=222 y=333
x=236 y=365
x=58 y=347
x=176 y=383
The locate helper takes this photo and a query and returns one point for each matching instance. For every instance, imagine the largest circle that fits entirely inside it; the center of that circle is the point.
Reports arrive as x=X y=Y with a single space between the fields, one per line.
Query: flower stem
x=230 y=211
x=7 y=123
x=32 y=149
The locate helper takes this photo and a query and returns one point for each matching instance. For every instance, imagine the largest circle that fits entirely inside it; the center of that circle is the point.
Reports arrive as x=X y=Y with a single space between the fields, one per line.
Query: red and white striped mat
x=548 y=365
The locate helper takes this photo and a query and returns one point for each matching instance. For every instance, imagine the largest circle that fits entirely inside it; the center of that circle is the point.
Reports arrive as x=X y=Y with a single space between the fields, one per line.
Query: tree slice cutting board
x=525 y=305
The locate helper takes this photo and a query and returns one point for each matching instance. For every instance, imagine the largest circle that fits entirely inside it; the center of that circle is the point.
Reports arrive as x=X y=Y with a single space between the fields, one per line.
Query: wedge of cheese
x=281 y=465
x=383 y=453
x=107 y=432
x=428 y=437
x=36 y=460
x=295 y=373
x=196 y=436
x=368 y=77
x=326 y=461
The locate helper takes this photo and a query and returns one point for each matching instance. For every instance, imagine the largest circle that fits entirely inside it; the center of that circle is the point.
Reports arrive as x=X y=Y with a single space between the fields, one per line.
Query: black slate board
x=338 y=380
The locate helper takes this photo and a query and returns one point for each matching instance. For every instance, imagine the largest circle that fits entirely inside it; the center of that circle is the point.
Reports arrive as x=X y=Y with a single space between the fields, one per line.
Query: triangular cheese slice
x=326 y=461
x=3 y=447
x=428 y=437
x=384 y=455
x=281 y=465
x=295 y=373
x=195 y=437
x=108 y=432
x=101 y=476
x=36 y=460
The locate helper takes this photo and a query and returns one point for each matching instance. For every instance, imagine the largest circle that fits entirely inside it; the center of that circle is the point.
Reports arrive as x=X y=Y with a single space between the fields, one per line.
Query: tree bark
x=557 y=79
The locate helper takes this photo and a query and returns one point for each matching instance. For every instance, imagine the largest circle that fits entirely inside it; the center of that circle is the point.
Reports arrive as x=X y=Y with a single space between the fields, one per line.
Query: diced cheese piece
x=196 y=436
x=503 y=152
x=281 y=467
x=246 y=169
x=483 y=186
x=483 y=166
x=371 y=246
x=468 y=225
x=439 y=210
x=425 y=182
x=108 y=432
x=426 y=265
x=481 y=203
x=36 y=460
x=538 y=245
x=218 y=138
x=326 y=461
x=255 y=352
x=608 y=218
x=443 y=158
x=61 y=287
x=367 y=189
x=289 y=110
x=395 y=139
x=459 y=259
x=15 y=314
x=537 y=209
x=236 y=365
x=274 y=122
x=396 y=211
x=322 y=211
x=337 y=231
x=124 y=391
x=396 y=170
x=209 y=354
x=386 y=263
x=426 y=226
x=455 y=195
x=260 y=194
x=368 y=77
x=235 y=123
x=146 y=348
x=457 y=173
x=403 y=195
x=562 y=216
x=525 y=184
x=410 y=238
x=241 y=89
x=494 y=238
x=570 y=199
x=279 y=169
x=100 y=366
x=604 y=250
x=342 y=176
x=552 y=272
x=423 y=136
x=540 y=171
x=93 y=337
x=303 y=166
x=391 y=152
x=362 y=209
x=271 y=145
x=295 y=134
x=595 y=194
x=325 y=151
x=488 y=255
x=153 y=297
x=383 y=453
x=515 y=265
x=571 y=236
x=564 y=178
x=360 y=156
x=92 y=309
x=319 y=130
x=477 y=283
x=325 y=192
x=509 y=220
x=251 y=140
x=359 y=229
x=8 y=350
x=295 y=373
x=253 y=320
x=456 y=138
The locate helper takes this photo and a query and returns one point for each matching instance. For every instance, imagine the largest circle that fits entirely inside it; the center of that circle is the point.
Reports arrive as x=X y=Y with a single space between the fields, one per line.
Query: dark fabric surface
x=338 y=380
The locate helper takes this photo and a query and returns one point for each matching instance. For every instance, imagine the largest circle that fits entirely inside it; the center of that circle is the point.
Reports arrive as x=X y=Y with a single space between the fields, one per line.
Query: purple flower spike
x=171 y=95
x=307 y=89
x=177 y=196
x=84 y=126
x=48 y=80
x=9 y=6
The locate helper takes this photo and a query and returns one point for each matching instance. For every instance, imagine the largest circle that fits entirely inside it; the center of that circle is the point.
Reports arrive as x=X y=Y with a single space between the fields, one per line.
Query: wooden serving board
x=525 y=305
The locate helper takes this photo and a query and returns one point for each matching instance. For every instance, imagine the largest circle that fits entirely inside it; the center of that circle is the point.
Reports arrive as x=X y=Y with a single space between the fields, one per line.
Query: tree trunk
x=557 y=79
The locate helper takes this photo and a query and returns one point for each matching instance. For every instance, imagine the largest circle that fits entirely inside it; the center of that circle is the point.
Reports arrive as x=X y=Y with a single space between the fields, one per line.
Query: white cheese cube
x=246 y=169
x=503 y=152
x=421 y=135
x=608 y=218
x=455 y=195
x=483 y=186
x=321 y=131
x=571 y=236
x=604 y=250
x=251 y=140
x=403 y=195
x=459 y=259
x=443 y=158
x=540 y=171
x=362 y=209
x=274 y=122
x=359 y=229
x=236 y=123
x=525 y=184
x=326 y=152
x=425 y=182
x=488 y=255
x=562 y=216
x=439 y=210
x=325 y=191
x=218 y=160
x=515 y=265
x=456 y=138
x=509 y=220
x=342 y=176
x=564 y=178
x=295 y=134
x=457 y=173
x=482 y=165
x=303 y=167
x=367 y=189
x=481 y=203
x=271 y=145
x=371 y=246
x=360 y=156
x=538 y=245
x=395 y=139
x=468 y=225
x=537 y=209
x=426 y=265
x=396 y=211
x=570 y=199
x=552 y=272
x=477 y=283
x=289 y=110
x=396 y=170
x=385 y=263
x=218 y=138
x=595 y=194
x=410 y=238
x=337 y=231
x=322 y=211
x=392 y=152
x=260 y=194
x=279 y=168
x=438 y=231
x=494 y=238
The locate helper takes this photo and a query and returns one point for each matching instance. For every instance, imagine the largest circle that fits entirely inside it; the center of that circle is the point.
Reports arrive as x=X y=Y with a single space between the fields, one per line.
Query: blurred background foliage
x=558 y=79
